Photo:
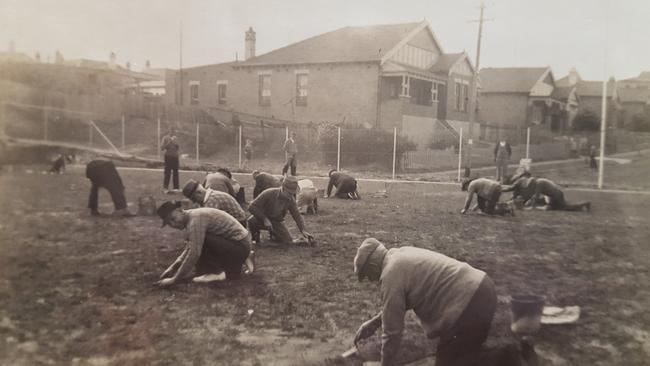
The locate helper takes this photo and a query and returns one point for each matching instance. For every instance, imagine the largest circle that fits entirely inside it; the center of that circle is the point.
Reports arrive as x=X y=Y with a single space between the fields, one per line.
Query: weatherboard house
x=383 y=76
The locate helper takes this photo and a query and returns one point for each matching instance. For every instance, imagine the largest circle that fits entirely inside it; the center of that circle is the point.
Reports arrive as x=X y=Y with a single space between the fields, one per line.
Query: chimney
x=147 y=65
x=128 y=65
x=37 y=57
x=112 y=61
x=250 y=44
x=58 y=57
x=574 y=77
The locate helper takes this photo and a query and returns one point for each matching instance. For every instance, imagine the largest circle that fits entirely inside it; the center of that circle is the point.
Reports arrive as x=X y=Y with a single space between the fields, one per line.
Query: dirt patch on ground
x=77 y=290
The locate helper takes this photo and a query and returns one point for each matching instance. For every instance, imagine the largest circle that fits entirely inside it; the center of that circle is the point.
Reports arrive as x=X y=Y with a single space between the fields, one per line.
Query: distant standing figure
x=102 y=174
x=345 y=185
x=573 y=147
x=502 y=153
x=264 y=181
x=592 y=157
x=171 y=148
x=248 y=153
x=291 y=150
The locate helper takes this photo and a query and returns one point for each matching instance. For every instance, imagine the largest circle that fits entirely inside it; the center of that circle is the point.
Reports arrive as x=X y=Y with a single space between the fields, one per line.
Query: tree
x=586 y=120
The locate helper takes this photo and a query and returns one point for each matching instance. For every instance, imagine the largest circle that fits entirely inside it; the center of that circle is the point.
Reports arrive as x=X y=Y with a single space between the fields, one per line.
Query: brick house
x=382 y=76
x=634 y=96
x=591 y=96
x=515 y=98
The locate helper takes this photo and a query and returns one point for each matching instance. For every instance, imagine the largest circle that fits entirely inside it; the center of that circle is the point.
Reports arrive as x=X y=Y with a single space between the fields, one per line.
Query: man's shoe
x=94 y=212
x=210 y=277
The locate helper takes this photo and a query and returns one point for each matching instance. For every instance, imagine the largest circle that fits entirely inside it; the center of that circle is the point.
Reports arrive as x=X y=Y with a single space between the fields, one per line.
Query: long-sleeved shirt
x=225 y=202
x=272 y=205
x=482 y=187
x=203 y=221
x=437 y=288
x=502 y=152
x=338 y=179
x=307 y=193
x=219 y=182
x=170 y=146
x=523 y=187
x=547 y=188
x=290 y=146
x=265 y=181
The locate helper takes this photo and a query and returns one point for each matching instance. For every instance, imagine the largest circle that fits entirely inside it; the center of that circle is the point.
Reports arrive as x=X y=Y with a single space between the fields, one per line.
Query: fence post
x=122 y=132
x=603 y=122
x=45 y=120
x=197 y=143
x=338 y=152
x=528 y=143
x=240 y=133
x=460 y=151
x=158 y=136
x=394 y=149
x=90 y=134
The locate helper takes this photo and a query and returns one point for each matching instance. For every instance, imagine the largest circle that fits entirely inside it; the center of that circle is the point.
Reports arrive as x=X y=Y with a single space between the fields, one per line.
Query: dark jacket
x=265 y=181
x=102 y=173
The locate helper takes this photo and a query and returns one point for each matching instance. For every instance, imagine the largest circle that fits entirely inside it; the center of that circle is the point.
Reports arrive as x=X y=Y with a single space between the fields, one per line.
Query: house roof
x=594 y=88
x=510 y=79
x=563 y=92
x=633 y=95
x=349 y=44
x=14 y=57
x=446 y=61
x=645 y=75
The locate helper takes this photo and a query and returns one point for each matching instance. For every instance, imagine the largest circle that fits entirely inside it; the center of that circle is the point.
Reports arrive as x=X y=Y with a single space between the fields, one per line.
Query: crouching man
x=546 y=189
x=216 y=244
x=345 y=186
x=487 y=193
x=269 y=210
x=102 y=174
x=454 y=301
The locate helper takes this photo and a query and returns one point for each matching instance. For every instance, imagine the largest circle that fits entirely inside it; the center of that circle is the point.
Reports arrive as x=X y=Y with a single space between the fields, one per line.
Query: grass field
x=77 y=289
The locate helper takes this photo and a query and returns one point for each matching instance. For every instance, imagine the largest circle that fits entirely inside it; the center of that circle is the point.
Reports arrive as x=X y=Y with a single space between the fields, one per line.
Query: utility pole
x=474 y=88
x=180 y=68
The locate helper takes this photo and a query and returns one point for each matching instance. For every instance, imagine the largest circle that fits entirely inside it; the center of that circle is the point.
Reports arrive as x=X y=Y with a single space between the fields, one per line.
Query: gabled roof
x=632 y=95
x=594 y=88
x=563 y=92
x=446 y=61
x=349 y=44
x=510 y=79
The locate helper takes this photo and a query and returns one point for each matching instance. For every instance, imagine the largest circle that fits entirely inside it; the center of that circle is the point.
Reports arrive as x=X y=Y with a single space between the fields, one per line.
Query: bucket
x=526 y=313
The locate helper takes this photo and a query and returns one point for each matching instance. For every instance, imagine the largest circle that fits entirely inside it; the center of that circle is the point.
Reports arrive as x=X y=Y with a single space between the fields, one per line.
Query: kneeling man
x=487 y=193
x=454 y=301
x=215 y=243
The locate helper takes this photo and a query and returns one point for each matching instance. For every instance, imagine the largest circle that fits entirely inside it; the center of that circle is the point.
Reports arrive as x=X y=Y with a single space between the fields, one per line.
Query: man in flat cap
x=102 y=174
x=345 y=185
x=270 y=208
x=487 y=193
x=216 y=244
x=207 y=197
x=264 y=181
x=454 y=301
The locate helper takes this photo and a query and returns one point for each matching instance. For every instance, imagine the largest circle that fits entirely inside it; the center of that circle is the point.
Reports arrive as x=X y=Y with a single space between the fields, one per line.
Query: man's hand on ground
x=366 y=330
x=463 y=211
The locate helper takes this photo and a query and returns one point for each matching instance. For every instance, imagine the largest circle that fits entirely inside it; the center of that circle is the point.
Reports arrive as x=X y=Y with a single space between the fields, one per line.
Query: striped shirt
x=225 y=202
x=203 y=221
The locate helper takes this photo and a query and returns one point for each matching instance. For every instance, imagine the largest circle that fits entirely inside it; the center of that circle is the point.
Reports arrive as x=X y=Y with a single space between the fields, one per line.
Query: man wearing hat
x=214 y=199
x=215 y=243
x=270 y=208
x=487 y=193
x=223 y=181
x=264 y=181
x=454 y=301
x=345 y=184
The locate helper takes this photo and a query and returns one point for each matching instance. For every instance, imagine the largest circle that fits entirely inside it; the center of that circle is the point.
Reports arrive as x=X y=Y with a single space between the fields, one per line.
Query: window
x=265 y=89
x=222 y=92
x=458 y=94
x=194 y=92
x=465 y=97
x=434 y=92
x=301 y=89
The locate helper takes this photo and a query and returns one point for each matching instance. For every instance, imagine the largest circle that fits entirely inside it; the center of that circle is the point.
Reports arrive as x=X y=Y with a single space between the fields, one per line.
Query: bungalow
x=591 y=96
x=383 y=76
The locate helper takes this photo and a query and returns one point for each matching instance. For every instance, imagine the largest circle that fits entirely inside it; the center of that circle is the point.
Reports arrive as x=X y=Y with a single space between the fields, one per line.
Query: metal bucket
x=526 y=312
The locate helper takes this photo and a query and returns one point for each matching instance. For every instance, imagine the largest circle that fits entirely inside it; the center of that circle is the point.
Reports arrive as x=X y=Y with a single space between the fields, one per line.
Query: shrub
x=639 y=122
x=586 y=121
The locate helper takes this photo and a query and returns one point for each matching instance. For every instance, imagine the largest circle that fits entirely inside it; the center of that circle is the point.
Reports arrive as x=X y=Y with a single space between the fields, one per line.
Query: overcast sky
x=592 y=35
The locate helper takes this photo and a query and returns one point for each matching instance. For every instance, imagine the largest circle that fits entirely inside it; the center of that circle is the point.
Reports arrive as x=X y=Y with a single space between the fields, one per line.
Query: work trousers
x=171 y=166
x=219 y=254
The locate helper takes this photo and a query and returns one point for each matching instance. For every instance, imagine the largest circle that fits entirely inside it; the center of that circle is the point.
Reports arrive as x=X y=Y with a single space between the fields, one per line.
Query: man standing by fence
x=291 y=150
x=502 y=153
x=171 y=148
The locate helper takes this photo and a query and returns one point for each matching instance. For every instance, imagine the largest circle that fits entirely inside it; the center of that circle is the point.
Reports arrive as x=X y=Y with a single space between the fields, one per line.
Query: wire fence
x=247 y=142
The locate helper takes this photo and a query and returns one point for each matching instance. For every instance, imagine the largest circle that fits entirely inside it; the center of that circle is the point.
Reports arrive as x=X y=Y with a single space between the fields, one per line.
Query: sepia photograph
x=326 y=183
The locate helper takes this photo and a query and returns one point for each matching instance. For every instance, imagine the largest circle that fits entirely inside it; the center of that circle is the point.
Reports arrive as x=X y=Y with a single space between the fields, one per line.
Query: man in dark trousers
x=269 y=210
x=216 y=245
x=502 y=153
x=264 y=181
x=346 y=186
x=171 y=148
x=546 y=189
x=487 y=193
x=291 y=150
x=453 y=301
x=102 y=174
